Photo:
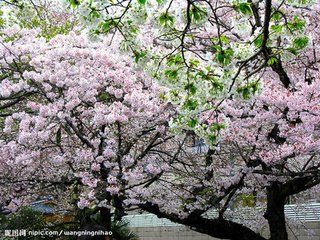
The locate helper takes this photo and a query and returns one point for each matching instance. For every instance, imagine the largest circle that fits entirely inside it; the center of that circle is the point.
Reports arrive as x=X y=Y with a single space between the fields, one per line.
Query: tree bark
x=275 y=212
x=219 y=228
x=105 y=216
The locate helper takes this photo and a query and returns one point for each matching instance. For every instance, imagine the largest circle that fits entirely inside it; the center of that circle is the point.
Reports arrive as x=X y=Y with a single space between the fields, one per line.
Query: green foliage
x=190 y=104
x=175 y=60
x=174 y=93
x=224 y=39
x=258 y=41
x=142 y=1
x=216 y=86
x=248 y=90
x=74 y=3
x=107 y=25
x=243 y=8
x=277 y=15
x=297 y=25
x=130 y=28
x=276 y=28
x=223 y=56
x=2 y=21
x=194 y=62
x=192 y=122
x=139 y=55
x=217 y=126
x=30 y=17
x=24 y=219
x=300 y=2
x=191 y=88
x=272 y=61
x=212 y=138
x=300 y=42
x=121 y=231
x=171 y=74
x=166 y=20
x=94 y=13
x=197 y=13
x=293 y=50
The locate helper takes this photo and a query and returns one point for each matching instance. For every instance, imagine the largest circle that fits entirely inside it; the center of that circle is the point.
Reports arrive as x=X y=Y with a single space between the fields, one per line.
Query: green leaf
x=224 y=39
x=139 y=55
x=197 y=13
x=192 y=123
x=255 y=86
x=190 y=104
x=94 y=13
x=258 y=41
x=217 y=126
x=216 y=48
x=212 y=138
x=171 y=74
x=216 y=85
x=277 y=28
x=162 y=97
x=216 y=41
x=297 y=24
x=224 y=57
x=174 y=60
x=246 y=93
x=220 y=57
x=166 y=20
x=194 y=62
x=106 y=25
x=74 y=3
x=142 y=1
x=249 y=89
x=191 y=88
x=293 y=50
x=103 y=96
x=244 y=8
x=174 y=93
x=272 y=61
x=300 y=42
x=278 y=15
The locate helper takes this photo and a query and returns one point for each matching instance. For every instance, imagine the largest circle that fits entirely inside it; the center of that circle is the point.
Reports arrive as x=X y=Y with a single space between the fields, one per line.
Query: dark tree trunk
x=105 y=216
x=119 y=209
x=275 y=212
x=218 y=228
x=87 y=223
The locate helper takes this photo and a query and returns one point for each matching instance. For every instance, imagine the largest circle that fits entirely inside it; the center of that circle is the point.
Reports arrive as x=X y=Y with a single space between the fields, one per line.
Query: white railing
x=303 y=212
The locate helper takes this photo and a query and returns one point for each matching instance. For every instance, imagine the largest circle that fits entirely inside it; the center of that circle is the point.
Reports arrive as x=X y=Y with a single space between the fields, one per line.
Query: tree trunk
x=105 y=216
x=218 y=228
x=275 y=212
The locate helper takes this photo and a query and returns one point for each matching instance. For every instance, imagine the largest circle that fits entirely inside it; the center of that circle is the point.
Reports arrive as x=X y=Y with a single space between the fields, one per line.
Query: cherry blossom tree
x=203 y=50
x=49 y=16
x=102 y=141
x=210 y=54
x=268 y=148
x=81 y=117
x=78 y=117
